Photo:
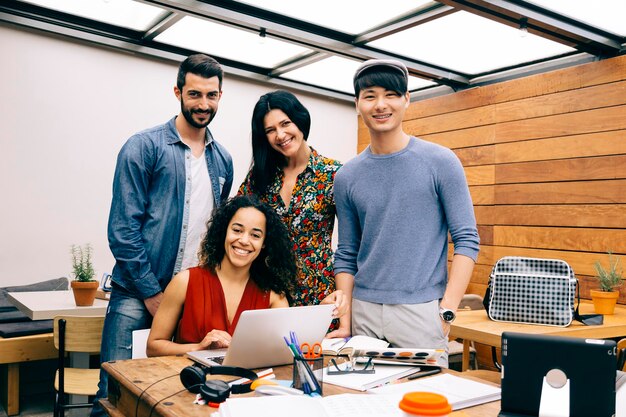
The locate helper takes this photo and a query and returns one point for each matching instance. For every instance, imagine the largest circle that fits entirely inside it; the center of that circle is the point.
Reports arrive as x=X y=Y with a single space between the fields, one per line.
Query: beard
x=188 y=114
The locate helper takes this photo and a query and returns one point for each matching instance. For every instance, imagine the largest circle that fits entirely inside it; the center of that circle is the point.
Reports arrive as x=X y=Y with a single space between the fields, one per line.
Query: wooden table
x=476 y=326
x=136 y=386
x=46 y=305
x=21 y=349
x=38 y=305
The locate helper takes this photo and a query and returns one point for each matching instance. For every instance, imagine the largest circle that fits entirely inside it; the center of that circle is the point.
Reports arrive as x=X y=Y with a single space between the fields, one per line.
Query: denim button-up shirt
x=149 y=207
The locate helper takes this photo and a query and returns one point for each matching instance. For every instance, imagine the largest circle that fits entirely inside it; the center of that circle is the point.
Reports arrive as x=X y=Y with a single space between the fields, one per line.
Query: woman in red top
x=246 y=263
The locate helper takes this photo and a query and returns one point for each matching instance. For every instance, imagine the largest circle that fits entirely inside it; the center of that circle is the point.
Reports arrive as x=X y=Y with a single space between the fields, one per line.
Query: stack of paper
x=460 y=392
x=344 y=405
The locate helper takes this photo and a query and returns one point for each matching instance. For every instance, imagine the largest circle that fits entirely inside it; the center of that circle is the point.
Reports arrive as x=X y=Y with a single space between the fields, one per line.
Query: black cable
x=165 y=398
x=147 y=388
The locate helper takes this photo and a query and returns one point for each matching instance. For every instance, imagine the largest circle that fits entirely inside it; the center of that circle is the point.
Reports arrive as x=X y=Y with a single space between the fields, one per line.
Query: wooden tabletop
x=476 y=326
x=144 y=387
x=45 y=305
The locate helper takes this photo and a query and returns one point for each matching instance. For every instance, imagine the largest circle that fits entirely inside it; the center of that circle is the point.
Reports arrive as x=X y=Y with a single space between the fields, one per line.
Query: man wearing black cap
x=396 y=202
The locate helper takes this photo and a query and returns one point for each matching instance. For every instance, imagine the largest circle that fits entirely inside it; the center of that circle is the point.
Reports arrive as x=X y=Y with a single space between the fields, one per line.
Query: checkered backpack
x=533 y=291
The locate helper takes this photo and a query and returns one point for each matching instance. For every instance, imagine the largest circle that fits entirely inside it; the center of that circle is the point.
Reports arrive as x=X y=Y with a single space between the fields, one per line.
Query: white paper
x=460 y=392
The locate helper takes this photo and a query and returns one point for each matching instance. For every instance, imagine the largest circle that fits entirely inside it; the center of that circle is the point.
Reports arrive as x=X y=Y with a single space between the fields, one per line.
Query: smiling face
x=244 y=237
x=282 y=134
x=382 y=110
x=199 y=99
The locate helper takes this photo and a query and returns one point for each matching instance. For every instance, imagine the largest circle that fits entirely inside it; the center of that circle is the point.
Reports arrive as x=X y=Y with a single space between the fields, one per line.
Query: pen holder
x=308 y=374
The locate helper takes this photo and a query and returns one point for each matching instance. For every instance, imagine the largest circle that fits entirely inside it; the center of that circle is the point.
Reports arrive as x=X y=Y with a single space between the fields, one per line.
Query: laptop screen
x=258 y=339
x=588 y=364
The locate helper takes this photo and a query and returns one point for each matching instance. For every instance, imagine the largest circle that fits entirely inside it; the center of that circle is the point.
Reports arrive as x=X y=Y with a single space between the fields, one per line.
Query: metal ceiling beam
x=545 y=23
x=298 y=62
x=149 y=49
x=414 y=18
x=165 y=23
x=301 y=33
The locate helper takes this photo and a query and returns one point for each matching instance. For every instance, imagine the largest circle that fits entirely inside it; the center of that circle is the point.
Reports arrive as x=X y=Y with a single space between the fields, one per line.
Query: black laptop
x=588 y=364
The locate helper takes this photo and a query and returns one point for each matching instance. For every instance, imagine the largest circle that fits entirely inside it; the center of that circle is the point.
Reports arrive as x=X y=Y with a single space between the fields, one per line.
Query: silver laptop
x=258 y=340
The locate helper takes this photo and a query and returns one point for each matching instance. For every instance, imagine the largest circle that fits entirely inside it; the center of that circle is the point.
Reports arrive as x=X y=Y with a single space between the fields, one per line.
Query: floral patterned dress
x=310 y=219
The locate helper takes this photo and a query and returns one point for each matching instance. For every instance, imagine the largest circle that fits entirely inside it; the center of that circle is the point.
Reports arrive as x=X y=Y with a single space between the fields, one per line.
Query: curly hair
x=275 y=268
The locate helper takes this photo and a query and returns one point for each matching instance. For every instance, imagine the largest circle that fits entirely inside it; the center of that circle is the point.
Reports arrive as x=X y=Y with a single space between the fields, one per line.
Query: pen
x=424 y=373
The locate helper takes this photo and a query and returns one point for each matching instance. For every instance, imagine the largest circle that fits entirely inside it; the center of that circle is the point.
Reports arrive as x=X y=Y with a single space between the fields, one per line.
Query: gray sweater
x=394 y=213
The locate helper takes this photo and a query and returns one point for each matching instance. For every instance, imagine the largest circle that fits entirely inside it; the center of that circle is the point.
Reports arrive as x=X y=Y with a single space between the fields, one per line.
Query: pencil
x=424 y=373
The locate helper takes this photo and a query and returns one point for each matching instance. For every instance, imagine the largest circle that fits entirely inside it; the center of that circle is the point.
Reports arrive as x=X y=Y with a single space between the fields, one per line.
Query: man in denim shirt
x=167 y=181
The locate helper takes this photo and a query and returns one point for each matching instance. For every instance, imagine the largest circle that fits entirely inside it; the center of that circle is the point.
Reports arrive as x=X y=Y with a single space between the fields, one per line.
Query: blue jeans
x=125 y=313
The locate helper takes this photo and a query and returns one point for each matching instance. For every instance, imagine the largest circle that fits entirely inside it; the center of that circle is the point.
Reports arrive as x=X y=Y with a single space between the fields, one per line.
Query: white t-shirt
x=200 y=208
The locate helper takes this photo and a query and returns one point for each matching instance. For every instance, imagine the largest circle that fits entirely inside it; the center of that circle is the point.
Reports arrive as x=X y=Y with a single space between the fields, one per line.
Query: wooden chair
x=75 y=334
x=621 y=356
x=455 y=348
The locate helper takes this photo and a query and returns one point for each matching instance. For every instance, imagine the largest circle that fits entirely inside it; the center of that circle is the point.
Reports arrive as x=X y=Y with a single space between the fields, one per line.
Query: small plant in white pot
x=83 y=285
x=610 y=279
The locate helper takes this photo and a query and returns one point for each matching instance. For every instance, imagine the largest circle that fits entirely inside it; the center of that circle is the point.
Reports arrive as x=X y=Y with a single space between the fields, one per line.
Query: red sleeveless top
x=205 y=306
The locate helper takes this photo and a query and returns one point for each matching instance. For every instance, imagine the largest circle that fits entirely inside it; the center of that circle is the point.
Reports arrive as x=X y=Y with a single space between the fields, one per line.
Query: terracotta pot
x=84 y=292
x=603 y=301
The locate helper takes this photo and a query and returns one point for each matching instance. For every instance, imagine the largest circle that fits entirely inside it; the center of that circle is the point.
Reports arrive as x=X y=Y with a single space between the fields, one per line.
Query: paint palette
x=423 y=356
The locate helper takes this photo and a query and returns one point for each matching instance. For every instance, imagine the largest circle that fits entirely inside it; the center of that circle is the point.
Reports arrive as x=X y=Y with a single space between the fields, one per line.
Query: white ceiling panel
x=609 y=15
x=470 y=44
x=125 y=13
x=229 y=42
x=349 y=16
x=336 y=73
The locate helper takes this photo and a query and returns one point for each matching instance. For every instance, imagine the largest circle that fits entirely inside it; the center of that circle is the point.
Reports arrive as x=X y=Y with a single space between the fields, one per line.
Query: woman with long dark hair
x=297 y=182
x=246 y=263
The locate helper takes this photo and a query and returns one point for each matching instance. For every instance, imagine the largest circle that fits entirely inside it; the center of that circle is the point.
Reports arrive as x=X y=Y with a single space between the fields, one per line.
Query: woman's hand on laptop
x=215 y=339
x=339 y=299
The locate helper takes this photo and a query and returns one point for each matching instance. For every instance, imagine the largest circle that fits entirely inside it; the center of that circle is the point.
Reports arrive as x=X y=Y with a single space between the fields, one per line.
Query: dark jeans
x=124 y=314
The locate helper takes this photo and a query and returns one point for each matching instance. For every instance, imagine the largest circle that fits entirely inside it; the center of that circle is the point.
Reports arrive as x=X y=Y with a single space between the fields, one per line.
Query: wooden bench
x=13 y=351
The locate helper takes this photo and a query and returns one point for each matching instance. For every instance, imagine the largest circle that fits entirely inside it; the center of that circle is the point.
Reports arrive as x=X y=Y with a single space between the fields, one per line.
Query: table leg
x=466 y=355
x=11 y=396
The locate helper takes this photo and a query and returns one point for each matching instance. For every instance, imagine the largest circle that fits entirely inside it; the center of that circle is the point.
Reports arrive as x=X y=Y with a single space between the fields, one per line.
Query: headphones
x=214 y=390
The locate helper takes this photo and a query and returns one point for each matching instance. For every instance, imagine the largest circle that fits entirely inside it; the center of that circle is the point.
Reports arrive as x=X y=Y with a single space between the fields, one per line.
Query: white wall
x=67 y=108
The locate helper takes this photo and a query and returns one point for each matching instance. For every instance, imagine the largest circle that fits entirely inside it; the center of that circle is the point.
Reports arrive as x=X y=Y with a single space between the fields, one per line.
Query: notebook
x=258 y=339
x=460 y=392
x=589 y=364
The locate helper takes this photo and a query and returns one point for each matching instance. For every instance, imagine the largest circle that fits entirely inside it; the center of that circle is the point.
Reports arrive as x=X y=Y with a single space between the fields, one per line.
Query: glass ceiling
x=316 y=46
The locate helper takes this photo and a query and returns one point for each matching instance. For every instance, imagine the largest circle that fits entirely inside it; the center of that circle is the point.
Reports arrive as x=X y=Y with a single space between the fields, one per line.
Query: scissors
x=311 y=351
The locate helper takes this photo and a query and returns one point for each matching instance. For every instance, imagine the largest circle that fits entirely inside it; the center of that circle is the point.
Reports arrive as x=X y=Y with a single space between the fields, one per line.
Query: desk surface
x=476 y=326
x=44 y=305
x=135 y=387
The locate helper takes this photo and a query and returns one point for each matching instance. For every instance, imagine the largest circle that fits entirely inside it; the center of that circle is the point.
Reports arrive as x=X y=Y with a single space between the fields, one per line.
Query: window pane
x=606 y=14
x=125 y=13
x=336 y=73
x=228 y=42
x=470 y=44
x=349 y=16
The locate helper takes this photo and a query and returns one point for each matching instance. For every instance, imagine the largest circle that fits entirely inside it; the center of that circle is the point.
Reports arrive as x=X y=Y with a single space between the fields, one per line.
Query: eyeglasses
x=355 y=365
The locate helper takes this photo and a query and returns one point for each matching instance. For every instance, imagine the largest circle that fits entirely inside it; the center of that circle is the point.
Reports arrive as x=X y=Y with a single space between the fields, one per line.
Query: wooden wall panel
x=591 y=144
x=545 y=160
x=576 y=239
x=483 y=195
x=575 y=192
x=478 y=155
x=597 y=120
x=583 y=215
x=596 y=168
x=463 y=138
x=571 y=101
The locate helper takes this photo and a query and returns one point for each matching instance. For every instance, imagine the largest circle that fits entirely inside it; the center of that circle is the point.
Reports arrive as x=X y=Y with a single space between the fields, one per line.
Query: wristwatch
x=446 y=314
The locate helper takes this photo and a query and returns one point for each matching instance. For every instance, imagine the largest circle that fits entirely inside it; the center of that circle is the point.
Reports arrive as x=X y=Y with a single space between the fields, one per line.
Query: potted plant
x=83 y=286
x=610 y=280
